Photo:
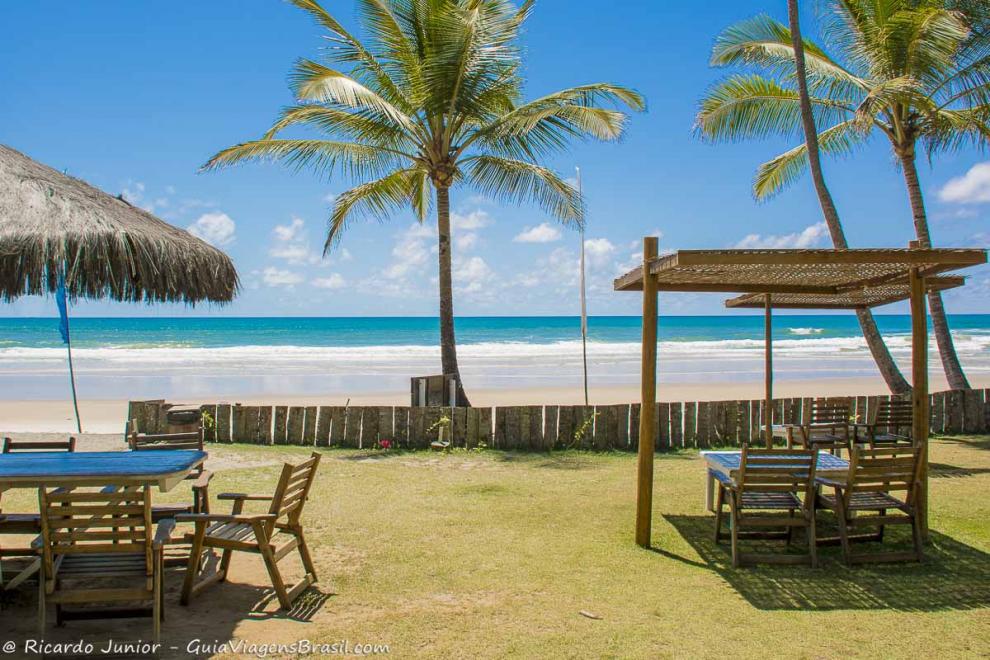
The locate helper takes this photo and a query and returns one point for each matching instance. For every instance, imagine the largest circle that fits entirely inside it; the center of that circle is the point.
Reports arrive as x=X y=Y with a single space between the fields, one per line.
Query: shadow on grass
x=954 y=576
x=971 y=441
x=946 y=471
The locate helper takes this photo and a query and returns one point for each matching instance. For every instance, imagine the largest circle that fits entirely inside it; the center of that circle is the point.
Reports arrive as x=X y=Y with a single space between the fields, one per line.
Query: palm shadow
x=954 y=576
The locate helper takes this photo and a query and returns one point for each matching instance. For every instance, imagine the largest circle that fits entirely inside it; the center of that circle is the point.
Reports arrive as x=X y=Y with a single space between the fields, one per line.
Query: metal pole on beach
x=584 y=303
x=63 y=313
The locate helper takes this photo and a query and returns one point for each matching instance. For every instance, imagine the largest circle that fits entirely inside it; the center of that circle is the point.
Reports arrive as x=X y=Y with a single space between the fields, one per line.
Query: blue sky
x=134 y=96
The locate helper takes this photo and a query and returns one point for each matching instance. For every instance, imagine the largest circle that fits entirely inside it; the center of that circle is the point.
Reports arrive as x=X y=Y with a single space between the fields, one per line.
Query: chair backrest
x=894 y=415
x=884 y=470
x=165 y=441
x=778 y=470
x=830 y=412
x=11 y=446
x=91 y=520
x=293 y=489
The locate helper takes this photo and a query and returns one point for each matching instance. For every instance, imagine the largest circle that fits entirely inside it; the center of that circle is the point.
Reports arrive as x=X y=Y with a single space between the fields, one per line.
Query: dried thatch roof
x=110 y=249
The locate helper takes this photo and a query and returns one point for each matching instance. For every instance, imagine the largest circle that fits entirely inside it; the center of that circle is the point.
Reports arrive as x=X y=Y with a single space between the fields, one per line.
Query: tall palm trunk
x=946 y=348
x=448 y=344
x=885 y=363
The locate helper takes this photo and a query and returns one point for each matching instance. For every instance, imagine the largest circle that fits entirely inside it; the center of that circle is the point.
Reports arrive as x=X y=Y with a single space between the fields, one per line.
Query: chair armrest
x=163 y=533
x=202 y=480
x=222 y=517
x=244 y=496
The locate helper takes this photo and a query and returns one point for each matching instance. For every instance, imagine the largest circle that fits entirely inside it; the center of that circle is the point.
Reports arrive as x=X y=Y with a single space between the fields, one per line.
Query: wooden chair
x=765 y=495
x=892 y=424
x=272 y=535
x=11 y=446
x=827 y=427
x=200 y=477
x=97 y=547
x=873 y=475
x=181 y=542
x=25 y=524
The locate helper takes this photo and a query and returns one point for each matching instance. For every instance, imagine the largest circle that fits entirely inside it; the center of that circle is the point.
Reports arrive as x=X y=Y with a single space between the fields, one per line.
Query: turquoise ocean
x=227 y=357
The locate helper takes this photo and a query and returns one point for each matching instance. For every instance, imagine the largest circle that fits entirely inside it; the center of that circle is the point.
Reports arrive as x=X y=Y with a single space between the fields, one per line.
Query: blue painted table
x=727 y=463
x=97 y=468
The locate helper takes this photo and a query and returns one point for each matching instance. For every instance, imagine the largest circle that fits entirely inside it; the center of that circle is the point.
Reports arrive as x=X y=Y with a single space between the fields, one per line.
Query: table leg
x=709 y=492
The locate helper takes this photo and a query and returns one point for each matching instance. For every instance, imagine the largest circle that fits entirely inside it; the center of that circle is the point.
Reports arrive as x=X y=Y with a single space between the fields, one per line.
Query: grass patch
x=493 y=554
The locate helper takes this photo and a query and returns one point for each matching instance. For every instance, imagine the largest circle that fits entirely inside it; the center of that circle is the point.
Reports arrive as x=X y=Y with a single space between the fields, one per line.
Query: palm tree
x=433 y=100
x=885 y=362
x=915 y=71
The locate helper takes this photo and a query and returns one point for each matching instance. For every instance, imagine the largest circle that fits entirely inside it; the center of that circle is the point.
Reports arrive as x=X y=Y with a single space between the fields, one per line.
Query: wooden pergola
x=821 y=279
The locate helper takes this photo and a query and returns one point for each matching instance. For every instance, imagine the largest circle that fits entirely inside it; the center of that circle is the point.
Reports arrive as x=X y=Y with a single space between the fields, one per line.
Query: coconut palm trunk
x=448 y=343
x=943 y=337
x=881 y=355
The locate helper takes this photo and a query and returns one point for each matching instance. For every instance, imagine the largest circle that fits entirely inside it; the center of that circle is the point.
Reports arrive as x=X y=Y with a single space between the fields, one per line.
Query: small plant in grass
x=582 y=431
x=209 y=424
x=383 y=445
x=440 y=426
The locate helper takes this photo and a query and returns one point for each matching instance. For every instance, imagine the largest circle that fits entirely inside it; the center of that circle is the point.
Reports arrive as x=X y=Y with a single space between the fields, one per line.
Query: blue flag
x=63 y=311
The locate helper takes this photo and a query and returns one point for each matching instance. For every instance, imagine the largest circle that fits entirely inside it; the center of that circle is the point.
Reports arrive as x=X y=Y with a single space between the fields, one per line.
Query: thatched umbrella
x=107 y=247
x=62 y=236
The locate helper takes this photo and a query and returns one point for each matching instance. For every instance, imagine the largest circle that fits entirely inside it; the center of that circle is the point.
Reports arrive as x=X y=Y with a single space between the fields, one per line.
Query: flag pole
x=72 y=377
x=63 y=312
x=584 y=302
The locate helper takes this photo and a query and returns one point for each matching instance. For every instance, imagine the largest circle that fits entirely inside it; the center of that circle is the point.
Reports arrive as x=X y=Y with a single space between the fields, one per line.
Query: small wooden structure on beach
x=808 y=278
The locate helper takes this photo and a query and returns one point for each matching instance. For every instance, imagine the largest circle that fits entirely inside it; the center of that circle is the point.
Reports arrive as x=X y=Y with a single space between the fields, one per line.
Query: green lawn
x=494 y=554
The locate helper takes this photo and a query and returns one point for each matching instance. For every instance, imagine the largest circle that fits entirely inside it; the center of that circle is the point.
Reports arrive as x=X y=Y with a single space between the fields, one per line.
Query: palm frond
x=336 y=122
x=517 y=181
x=311 y=81
x=950 y=130
x=751 y=106
x=765 y=42
x=356 y=160
x=377 y=199
x=773 y=176
x=350 y=50
x=888 y=95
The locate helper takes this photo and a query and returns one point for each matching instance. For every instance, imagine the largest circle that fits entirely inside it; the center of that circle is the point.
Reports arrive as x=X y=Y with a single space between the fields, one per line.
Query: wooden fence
x=692 y=424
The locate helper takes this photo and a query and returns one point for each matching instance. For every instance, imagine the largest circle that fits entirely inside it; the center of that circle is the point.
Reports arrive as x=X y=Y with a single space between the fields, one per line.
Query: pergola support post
x=648 y=398
x=768 y=369
x=919 y=382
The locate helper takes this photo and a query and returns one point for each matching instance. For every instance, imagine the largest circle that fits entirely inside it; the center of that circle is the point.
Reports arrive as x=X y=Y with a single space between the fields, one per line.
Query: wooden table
x=727 y=463
x=786 y=432
x=98 y=468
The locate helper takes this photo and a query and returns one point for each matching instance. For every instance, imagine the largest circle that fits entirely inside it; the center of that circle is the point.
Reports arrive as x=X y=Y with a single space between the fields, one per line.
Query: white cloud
x=291 y=243
x=472 y=275
x=216 y=228
x=330 y=198
x=465 y=241
x=344 y=254
x=290 y=231
x=542 y=233
x=597 y=251
x=476 y=219
x=410 y=252
x=810 y=236
x=971 y=188
x=272 y=276
x=333 y=281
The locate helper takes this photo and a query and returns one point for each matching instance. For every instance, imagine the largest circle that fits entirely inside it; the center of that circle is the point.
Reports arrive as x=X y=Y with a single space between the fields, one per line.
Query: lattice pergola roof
x=795 y=271
x=874 y=296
